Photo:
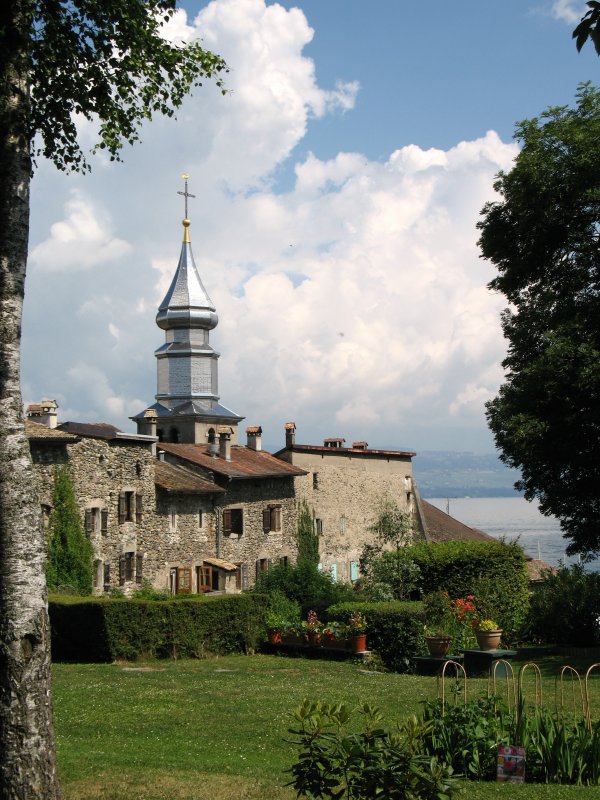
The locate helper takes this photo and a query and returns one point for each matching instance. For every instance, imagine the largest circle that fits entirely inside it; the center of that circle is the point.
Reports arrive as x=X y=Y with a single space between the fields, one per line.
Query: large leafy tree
x=543 y=237
x=107 y=61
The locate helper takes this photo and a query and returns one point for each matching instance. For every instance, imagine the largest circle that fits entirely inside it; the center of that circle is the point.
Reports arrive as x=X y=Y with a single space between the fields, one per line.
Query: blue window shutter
x=354 y=570
x=334 y=572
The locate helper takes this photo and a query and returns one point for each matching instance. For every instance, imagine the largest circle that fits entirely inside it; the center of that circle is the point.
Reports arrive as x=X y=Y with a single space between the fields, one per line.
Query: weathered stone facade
x=345 y=488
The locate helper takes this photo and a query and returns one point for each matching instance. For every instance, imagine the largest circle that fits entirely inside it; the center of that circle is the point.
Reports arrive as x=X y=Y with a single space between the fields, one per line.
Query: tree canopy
x=543 y=237
x=589 y=27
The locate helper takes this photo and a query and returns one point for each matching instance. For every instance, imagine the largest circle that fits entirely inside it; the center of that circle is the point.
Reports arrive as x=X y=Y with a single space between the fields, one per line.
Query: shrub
x=395 y=630
x=305 y=584
x=69 y=563
x=102 y=629
x=565 y=609
x=362 y=765
x=494 y=572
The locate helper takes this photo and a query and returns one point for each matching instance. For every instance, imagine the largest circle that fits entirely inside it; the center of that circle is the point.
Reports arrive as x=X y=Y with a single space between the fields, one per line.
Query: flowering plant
x=487 y=625
x=357 y=623
x=335 y=630
x=312 y=624
x=452 y=617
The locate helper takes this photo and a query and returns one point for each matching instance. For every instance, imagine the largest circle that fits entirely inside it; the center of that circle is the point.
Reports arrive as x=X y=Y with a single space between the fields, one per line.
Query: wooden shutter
x=266 y=520
x=227 y=521
x=269 y=563
x=129 y=566
x=139 y=567
x=89 y=521
x=257 y=569
x=104 y=522
x=138 y=508
x=204 y=579
x=276 y=523
x=122 y=508
x=122 y=569
x=244 y=570
x=106 y=577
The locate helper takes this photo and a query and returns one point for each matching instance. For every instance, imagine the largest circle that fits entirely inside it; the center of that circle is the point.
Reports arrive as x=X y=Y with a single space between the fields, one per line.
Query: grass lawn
x=216 y=729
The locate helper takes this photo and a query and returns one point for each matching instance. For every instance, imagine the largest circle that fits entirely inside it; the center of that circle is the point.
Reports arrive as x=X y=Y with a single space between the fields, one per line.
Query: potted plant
x=438 y=642
x=488 y=634
x=275 y=627
x=312 y=627
x=357 y=627
x=335 y=635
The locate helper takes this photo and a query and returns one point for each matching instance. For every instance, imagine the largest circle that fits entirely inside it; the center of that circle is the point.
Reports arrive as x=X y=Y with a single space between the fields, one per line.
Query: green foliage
x=565 y=609
x=102 y=629
x=392 y=525
x=282 y=612
x=452 y=617
x=371 y=763
x=394 y=630
x=542 y=236
x=69 y=563
x=388 y=576
x=589 y=27
x=114 y=65
x=494 y=572
x=304 y=583
x=307 y=537
x=466 y=737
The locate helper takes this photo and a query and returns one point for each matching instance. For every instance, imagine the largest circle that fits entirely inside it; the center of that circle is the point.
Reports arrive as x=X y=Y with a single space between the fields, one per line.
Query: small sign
x=511 y=764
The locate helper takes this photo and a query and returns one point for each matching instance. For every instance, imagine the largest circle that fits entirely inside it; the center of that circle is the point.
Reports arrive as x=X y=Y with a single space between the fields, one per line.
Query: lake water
x=512 y=518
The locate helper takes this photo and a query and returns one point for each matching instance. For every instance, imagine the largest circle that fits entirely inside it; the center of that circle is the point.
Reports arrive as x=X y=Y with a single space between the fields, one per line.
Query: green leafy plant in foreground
x=364 y=765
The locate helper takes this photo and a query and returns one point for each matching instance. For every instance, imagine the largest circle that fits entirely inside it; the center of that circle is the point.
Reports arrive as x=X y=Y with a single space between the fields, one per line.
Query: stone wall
x=345 y=492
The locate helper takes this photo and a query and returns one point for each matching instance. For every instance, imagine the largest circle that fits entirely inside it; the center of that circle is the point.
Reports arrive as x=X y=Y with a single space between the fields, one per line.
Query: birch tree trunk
x=27 y=761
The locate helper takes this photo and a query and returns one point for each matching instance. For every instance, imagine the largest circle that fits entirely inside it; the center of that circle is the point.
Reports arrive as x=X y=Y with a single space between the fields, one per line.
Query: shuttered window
x=184 y=580
x=126 y=567
x=204 y=575
x=106 y=577
x=88 y=521
x=354 y=570
x=139 y=567
x=272 y=519
x=104 y=522
x=233 y=521
x=138 y=508
x=126 y=507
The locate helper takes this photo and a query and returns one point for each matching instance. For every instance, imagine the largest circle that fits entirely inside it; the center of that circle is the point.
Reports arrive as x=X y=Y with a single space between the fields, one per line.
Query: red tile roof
x=245 y=463
x=342 y=451
x=36 y=432
x=177 y=479
x=444 y=528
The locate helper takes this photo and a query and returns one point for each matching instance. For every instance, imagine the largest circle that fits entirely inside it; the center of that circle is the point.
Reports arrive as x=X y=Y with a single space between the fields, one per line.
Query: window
x=126 y=567
x=92 y=520
x=204 y=579
x=233 y=521
x=130 y=507
x=211 y=436
x=106 y=577
x=139 y=567
x=284 y=561
x=272 y=519
x=200 y=520
x=241 y=576
x=184 y=580
x=315 y=480
x=262 y=565
x=354 y=570
x=333 y=572
x=98 y=574
x=172 y=518
x=319 y=527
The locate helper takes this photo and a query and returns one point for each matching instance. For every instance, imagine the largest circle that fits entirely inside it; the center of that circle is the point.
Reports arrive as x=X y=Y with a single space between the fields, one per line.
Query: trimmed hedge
x=395 y=630
x=104 y=629
x=495 y=572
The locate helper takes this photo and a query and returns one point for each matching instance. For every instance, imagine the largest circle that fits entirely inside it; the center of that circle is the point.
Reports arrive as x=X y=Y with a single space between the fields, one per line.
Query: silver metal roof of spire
x=186 y=304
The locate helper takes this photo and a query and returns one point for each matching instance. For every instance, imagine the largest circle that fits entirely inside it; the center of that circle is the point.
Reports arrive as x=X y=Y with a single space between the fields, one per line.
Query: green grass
x=217 y=728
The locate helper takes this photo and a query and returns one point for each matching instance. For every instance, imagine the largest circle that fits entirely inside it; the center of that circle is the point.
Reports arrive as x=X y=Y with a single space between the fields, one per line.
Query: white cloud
x=80 y=241
x=569 y=11
x=354 y=302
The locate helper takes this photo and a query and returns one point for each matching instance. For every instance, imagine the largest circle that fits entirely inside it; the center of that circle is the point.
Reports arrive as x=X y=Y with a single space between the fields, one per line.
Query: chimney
x=290 y=434
x=147 y=424
x=224 y=442
x=44 y=413
x=360 y=445
x=254 y=437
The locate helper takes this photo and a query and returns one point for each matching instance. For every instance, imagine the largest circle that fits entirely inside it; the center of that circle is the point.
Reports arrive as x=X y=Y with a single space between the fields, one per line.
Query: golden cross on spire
x=185 y=192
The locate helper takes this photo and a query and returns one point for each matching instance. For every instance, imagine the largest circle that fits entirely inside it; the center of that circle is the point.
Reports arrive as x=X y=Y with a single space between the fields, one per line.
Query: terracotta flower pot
x=359 y=642
x=438 y=646
x=489 y=640
x=274 y=636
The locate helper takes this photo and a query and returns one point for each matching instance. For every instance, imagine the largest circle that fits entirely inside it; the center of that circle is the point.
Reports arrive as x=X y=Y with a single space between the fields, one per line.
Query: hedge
x=495 y=572
x=395 y=630
x=105 y=629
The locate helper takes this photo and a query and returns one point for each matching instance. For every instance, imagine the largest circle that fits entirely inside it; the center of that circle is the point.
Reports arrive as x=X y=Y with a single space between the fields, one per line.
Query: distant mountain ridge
x=446 y=473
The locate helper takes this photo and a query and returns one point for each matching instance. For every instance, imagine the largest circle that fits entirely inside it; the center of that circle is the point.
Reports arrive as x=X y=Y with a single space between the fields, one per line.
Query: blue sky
x=338 y=188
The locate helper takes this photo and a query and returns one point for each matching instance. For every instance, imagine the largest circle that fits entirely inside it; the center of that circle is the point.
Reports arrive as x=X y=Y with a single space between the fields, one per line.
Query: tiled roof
x=537 y=569
x=36 y=433
x=177 y=479
x=342 y=451
x=95 y=430
x=245 y=463
x=444 y=528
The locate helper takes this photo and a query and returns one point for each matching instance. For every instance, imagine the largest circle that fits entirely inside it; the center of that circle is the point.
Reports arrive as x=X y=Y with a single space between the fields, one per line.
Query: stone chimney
x=224 y=432
x=44 y=413
x=254 y=437
x=360 y=445
x=147 y=424
x=290 y=434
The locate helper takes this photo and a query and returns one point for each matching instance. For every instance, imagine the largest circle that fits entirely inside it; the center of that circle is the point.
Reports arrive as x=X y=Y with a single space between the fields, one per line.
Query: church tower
x=187 y=407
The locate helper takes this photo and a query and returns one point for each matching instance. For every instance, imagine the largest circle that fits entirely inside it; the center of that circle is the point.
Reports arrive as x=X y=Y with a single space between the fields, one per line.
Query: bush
x=304 y=583
x=494 y=572
x=362 y=765
x=395 y=630
x=101 y=629
x=565 y=609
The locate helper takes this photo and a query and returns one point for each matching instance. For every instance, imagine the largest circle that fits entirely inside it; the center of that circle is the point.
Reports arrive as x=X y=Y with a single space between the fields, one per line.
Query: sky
x=338 y=186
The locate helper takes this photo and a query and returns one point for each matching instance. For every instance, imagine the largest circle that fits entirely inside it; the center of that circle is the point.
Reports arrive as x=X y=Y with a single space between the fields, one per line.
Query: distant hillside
x=452 y=474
